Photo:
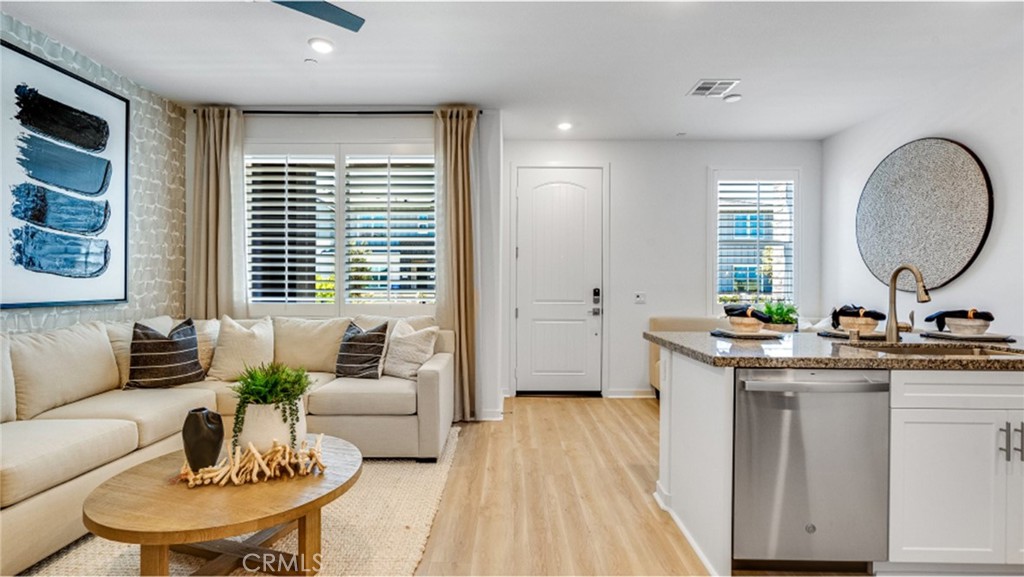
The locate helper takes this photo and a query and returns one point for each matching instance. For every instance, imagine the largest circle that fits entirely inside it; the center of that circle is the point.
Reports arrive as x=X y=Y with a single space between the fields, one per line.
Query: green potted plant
x=783 y=315
x=270 y=406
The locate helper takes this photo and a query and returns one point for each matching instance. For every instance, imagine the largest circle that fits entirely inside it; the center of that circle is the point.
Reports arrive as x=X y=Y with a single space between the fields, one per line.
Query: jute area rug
x=380 y=527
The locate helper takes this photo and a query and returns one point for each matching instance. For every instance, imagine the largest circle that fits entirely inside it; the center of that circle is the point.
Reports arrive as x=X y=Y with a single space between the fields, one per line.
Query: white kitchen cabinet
x=956 y=490
x=1015 y=492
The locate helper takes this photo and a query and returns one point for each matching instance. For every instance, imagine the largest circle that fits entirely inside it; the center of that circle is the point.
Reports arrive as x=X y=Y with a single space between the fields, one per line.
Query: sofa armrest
x=435 y=403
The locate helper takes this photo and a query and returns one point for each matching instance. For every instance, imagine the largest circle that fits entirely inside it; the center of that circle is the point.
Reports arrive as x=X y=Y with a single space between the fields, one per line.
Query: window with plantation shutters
x=755 y=228
x=290 y=212
x=390 y=233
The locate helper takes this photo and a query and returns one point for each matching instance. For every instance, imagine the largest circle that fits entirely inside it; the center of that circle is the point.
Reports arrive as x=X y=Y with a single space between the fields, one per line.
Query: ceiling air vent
x=713 y=88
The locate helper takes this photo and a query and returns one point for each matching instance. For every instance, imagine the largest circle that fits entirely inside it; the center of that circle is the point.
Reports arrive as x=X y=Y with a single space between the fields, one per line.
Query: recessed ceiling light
x=730 y=98
x=321 y=45
x=565 y=126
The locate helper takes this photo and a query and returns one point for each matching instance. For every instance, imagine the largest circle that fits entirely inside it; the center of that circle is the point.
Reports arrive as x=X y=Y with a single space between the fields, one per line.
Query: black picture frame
x=64 y=226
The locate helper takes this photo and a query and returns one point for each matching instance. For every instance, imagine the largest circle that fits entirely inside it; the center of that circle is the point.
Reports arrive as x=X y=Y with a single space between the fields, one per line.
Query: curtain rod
x=341 y=112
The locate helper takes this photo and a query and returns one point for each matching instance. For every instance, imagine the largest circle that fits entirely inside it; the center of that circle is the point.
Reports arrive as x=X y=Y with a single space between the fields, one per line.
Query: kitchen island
x=970 y=393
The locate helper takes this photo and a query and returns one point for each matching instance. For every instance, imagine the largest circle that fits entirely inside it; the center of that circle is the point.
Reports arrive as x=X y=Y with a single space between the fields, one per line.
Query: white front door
x=558 y=272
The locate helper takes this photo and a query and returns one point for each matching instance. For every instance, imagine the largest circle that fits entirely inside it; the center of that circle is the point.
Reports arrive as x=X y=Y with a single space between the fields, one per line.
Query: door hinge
x=517 y=252
x=517 y=312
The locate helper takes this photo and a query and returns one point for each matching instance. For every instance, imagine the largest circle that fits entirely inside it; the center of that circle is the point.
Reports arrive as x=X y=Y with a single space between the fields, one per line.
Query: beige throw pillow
x=310 y=344
x=207 y=332
x=58 y=367
x=408 y=349
x=239 y=347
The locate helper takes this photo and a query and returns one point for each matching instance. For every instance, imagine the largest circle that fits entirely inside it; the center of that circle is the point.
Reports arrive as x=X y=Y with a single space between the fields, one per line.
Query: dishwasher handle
x=864 y=386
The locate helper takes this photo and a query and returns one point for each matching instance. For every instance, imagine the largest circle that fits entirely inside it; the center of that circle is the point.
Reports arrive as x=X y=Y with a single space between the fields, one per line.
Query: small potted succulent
x=783 y=315
x=270 y=406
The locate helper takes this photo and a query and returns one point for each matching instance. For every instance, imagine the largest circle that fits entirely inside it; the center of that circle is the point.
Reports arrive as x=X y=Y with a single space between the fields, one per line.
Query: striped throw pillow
x=361 y=354
x=160 y=360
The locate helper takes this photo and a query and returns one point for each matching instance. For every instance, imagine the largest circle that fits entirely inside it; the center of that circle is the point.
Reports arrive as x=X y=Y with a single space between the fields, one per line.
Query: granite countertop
x=810 y=351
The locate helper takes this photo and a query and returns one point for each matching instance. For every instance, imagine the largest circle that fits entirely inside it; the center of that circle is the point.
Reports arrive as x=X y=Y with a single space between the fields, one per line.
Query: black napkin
x=854 y=311
x=741 y=311
x=941 y=316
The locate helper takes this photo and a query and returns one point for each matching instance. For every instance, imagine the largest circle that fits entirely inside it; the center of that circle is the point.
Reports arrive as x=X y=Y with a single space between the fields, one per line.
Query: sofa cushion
x=62 y=366
x=164 y=360
x=227 y=400
x=349 y=396
x=417 y=322
x=408 y=349
x=207 y=332
x=159 y=413
x=445 y=341
x=362 y=352
x=8 y=400
x=37 y=455
x=239 y=347
x=307 y=343
x=120 y=335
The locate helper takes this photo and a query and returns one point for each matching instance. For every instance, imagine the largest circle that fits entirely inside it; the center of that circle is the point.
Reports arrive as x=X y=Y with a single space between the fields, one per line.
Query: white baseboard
x=629 y=393
x=490 y=415
x=662 y=497
x=663 y=503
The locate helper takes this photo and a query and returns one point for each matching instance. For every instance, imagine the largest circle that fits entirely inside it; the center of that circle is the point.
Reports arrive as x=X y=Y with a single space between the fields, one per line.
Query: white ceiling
x=616 y=70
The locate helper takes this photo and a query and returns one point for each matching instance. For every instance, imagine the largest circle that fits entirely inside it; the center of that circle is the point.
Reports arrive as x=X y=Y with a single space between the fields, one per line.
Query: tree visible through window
x=754 y=256
x=390 y=229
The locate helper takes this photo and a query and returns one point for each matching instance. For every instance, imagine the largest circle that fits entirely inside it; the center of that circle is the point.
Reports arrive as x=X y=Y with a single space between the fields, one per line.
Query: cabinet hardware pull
x=1020 y=449
x=1008 y=441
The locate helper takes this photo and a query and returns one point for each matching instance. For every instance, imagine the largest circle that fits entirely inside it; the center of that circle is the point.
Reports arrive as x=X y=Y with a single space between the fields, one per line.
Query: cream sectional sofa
x=67 y=424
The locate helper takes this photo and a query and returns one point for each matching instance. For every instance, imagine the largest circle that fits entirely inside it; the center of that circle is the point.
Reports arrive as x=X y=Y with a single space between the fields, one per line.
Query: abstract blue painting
x=64 y=196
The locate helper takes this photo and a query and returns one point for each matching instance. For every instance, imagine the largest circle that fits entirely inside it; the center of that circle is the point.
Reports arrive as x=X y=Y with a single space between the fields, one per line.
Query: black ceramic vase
x=203 y=435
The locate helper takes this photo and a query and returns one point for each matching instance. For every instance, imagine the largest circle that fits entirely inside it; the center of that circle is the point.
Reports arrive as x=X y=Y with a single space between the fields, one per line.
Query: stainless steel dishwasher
x=811 y=465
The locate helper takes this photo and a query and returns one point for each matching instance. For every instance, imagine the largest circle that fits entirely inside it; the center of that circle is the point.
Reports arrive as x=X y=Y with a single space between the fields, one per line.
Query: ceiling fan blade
x=327 y=12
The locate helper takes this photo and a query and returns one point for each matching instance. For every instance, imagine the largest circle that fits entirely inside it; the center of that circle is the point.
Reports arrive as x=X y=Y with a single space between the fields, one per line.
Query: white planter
x=265 y=423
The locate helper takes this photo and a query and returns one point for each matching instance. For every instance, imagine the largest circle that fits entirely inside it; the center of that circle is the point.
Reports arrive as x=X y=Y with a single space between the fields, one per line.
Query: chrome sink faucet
x=892 y=330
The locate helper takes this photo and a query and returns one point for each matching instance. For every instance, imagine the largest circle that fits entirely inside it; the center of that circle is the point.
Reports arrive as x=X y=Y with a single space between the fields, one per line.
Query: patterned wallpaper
x=156 y=197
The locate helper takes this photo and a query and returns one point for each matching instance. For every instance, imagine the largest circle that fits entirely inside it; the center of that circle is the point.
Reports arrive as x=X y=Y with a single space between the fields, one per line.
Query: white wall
x=491 y=324
x=984 y=114
x=659 y=237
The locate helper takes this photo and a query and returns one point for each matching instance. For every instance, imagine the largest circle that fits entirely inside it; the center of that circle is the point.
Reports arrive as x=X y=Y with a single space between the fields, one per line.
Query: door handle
x=1008 y=441
x=865 y=386
x=1020 y=449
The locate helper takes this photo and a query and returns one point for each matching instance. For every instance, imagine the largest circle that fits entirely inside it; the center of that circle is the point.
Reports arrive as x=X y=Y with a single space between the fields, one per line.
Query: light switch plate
x=639 y=298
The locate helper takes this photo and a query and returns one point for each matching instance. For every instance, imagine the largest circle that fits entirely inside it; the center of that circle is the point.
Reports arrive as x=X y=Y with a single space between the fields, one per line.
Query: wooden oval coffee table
x=146 y=505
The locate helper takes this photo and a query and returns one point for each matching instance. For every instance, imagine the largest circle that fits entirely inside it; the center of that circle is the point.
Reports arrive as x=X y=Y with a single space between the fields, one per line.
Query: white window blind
x=290 y=208
x=390 y=233
x=755 y=241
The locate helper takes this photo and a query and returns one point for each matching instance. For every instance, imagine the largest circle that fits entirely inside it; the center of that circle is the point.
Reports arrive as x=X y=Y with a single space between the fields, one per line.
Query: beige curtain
x=213 y=263
x=455 y=127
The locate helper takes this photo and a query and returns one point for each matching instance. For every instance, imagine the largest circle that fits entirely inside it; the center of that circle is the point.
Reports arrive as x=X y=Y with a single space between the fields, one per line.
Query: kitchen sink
x=939 y=351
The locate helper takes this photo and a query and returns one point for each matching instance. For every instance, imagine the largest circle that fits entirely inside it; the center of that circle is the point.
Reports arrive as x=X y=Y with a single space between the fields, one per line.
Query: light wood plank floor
x=562 y=486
